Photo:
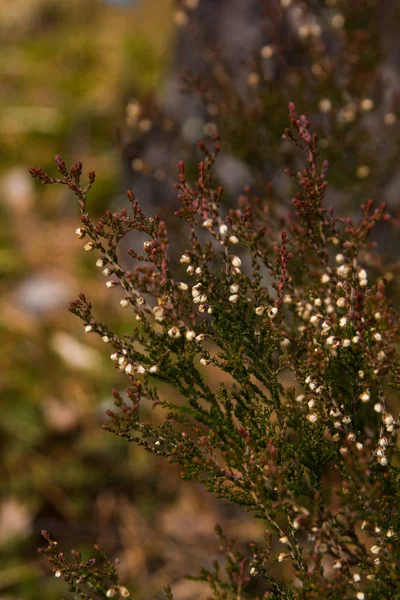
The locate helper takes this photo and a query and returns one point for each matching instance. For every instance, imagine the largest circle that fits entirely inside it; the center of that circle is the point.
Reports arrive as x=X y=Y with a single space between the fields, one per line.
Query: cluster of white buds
x=362 y=277
x=236 y=264
x=344 y=270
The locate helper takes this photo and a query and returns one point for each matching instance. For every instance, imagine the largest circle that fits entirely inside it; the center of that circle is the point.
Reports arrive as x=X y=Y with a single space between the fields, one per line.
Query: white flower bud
x=123 y=591
x=57 y=574
x=124 y=302
x=185 y=258
x=359 y=446
x=223 y=229
x=287 y=299
x=300 y=398
x=346 y=343
x=360 y=596
x=343 y=270
x=153 y=369
x=378 y=316
x=341 y=302
x=339 y=258
x=365 y=396
x=378 y=407
x=105 y=339
x=330 y=340
x=312 y=417
x=88 y=328
x=343 y=322
x=208 y=223
x=111 y=593
x=337 y=564
x=110 y=284
x=233 y=239
x=100 y=263
x=259 y=310
x=80 y=233
x=106 y=272
x=89 y=246
x=233 y=298
x=363 y=282
x=174 y=332
x=183 y=286
x=190 y=269
x=146 y=246
x=204 y=361
x=284 y=540
x=272 y=312
x=190 y=335
x=351 y=437
x=114 y=356
x=325 y=278
x=236 y=262
x=356 y=577
x=375 y=549
x=390 y=533
x=140 y=300
x=377 y=337
x=343 y=450
x=140 y=369
x=129 y=369
x=355 y=339
x=234 y=288
x=362 y=274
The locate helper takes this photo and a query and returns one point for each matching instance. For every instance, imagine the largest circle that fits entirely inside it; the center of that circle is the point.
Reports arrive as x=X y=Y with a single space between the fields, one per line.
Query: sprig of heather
x=306 y=339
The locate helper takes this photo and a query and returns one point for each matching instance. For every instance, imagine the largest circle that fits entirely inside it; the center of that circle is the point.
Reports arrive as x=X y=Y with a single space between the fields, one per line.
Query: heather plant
x=278 y=337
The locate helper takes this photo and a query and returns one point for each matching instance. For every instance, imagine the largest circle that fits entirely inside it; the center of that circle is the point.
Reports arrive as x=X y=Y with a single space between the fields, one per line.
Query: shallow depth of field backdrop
x=71 y=76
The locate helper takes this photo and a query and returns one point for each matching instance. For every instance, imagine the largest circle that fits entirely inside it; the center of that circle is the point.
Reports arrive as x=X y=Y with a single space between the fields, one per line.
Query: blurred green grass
x=67 y=73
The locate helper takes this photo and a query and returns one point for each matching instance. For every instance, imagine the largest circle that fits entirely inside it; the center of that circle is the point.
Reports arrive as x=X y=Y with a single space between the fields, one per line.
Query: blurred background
x=129 y=87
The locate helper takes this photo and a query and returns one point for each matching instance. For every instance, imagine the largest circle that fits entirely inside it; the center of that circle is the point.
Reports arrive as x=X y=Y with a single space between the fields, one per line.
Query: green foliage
x=257 y=322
